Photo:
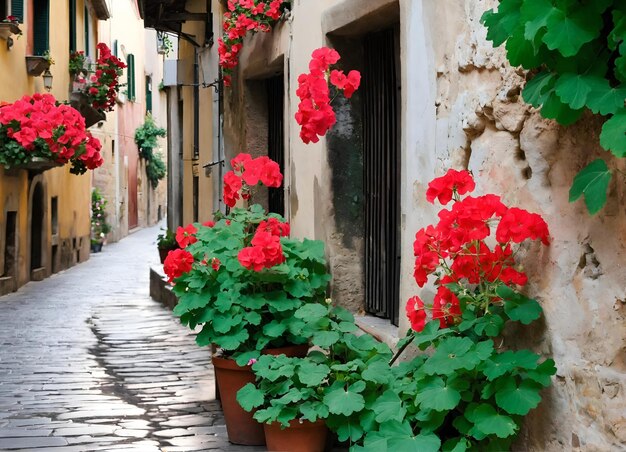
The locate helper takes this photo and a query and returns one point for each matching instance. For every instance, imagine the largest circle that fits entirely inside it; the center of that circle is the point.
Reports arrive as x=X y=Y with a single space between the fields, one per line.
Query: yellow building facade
x=44 y=217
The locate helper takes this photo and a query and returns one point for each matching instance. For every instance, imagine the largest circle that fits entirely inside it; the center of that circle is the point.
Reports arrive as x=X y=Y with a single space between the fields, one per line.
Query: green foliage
x=167 y=239
x=245 y=311
x=146 y=137
x=99 y=225
x=576 y=53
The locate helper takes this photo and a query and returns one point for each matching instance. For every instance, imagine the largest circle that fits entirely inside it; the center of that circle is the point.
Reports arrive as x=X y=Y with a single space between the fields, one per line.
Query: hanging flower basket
x=7 y=29
x=36 y=65
x=80 y=101
x=37 y=133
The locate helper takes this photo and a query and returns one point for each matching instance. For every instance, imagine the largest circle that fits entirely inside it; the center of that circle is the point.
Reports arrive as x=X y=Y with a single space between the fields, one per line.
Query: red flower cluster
x=105 y=85
x=266 y=250
x=315 y=114
x=248 y=172
x=456 y=245
x=41 y=128
x=244 y=16
x=185 y=236
x=176 y=263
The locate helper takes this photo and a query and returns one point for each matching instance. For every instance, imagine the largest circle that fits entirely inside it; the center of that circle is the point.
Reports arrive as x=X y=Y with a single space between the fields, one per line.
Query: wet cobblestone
x=89 y=362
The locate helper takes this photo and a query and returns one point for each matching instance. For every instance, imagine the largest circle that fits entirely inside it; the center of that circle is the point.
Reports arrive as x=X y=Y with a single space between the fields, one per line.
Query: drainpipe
x=196 y=106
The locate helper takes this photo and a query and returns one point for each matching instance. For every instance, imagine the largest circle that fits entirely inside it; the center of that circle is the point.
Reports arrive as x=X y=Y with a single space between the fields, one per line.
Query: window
x=41 y=27
x=381 y=173
x=130 y=60
x=148 y=94
x=16 y=9
x=276 y=138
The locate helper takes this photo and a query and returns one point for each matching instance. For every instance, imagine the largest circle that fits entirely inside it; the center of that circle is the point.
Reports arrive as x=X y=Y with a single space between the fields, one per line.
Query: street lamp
x=47 y=80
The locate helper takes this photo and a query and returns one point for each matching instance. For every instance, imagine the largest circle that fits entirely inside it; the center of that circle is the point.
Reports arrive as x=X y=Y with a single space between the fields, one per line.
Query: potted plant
x=341 y=385
x=37 y=133
x=166 y=242
x=9 y=26
x=146 y=137
x=240 y=280
x=99 y=225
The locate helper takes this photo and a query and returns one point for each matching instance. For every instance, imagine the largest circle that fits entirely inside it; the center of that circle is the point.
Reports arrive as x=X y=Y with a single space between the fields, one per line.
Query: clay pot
x=300 y=436
x=242 y=428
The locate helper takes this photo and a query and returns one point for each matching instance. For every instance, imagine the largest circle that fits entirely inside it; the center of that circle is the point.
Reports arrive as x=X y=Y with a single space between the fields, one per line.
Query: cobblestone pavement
x=89 y=362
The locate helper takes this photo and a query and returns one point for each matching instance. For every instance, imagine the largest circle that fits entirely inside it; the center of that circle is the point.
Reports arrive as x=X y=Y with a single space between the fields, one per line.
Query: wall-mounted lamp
x=47 y=80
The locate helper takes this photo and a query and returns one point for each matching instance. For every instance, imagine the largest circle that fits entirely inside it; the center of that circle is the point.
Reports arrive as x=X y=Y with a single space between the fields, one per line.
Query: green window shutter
x=41 y=27
x=73 y=26
x=131 y=76
x=148 y=95
x=17 y=9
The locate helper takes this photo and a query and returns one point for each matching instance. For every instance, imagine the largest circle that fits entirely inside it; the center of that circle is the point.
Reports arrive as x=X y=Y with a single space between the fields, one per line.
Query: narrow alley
x=89 y=362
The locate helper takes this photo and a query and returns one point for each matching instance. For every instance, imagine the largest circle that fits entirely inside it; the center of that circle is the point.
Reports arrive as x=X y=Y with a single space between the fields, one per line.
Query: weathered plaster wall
x=463 y=110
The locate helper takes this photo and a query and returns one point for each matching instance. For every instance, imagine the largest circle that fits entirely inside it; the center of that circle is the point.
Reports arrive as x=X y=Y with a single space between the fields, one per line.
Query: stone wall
x=464 y=110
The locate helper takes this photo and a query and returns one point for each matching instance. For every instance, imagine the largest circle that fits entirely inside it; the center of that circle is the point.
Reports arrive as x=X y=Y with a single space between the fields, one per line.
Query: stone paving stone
x=173 y=433
x=88 y=362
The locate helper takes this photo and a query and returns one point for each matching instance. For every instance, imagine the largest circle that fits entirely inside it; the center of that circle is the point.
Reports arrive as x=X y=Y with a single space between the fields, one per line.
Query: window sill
x=381 y=329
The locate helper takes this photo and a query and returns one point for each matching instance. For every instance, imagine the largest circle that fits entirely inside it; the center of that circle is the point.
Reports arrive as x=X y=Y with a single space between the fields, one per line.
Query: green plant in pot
x=166 y=242
x=99 y=225
x=240 y=281
x=341 y=384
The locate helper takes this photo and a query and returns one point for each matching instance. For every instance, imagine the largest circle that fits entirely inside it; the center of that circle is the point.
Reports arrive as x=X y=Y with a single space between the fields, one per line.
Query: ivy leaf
x=519 y=307
x=437 y=395
x=340 y=400
x=568 y=33
x=593 y=182
x=488 y=422
x=249 y=397
x=389 y=407
x=518 y=399
x=312 y=374
x=613 y=136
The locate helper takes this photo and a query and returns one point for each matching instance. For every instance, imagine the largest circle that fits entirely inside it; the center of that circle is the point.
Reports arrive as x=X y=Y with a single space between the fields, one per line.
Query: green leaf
x=377 y=372
x=313 y=410
x=450 y=355
x=400 y=437
x=249 y=397
x=517 y=306
x=501 y=24
x=536 y=90
x=429 y=334
x=543 y=373
x=518 y=399
x=436 y=395
x=343 y=401
x=491 y=325
x=389 y=407
x=489 y=422
x=274 y=329
x=325 y=339
x=223 y=323
x=574 y=89
x=536 y=14
x=312 y=374
x=311 y=312
x=521 y=52
x=346 y=428
x=456 y=445
x=613 y=136
x=554 y=108
x=568 y=32
x=593 y=182
x=230 y=341
x=506 y=361
x=605 y=99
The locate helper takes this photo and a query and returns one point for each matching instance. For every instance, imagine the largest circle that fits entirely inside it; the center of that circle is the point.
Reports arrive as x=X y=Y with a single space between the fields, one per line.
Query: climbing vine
x=146 y=139
x=575 y=51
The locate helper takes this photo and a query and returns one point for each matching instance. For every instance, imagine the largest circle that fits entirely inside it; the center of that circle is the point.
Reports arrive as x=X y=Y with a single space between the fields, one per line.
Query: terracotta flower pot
x=300 y=436
x=241 y=426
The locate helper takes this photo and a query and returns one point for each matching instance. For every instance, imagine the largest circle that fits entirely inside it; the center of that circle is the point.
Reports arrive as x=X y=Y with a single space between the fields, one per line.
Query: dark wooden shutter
x=381 y=166
x=41 y=27
x=73 y=26
x=148 y=95
x=17 y=9
x=131 y=76
x=276 y=139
